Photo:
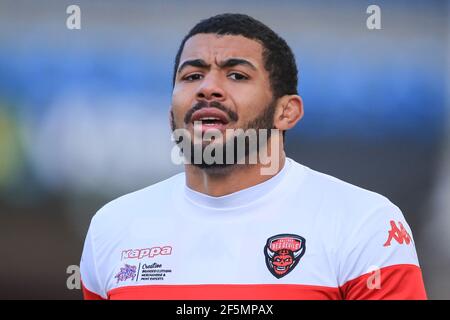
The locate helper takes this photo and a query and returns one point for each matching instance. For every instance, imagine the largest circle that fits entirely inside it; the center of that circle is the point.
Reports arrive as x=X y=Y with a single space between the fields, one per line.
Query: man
x=240 y=229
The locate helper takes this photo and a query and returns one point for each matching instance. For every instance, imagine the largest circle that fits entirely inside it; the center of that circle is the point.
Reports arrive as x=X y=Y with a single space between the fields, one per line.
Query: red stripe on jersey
x=397 y=282
x=89 y=295
x=225 y=292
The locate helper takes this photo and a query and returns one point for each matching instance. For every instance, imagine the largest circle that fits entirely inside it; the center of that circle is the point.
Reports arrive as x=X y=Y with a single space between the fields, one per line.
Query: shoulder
x=346 y=212
x=345 y=200
x=124 y=207
x=363 y=228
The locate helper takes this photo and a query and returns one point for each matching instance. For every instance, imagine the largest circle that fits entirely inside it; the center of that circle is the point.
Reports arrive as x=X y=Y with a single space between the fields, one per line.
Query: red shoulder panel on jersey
x=397 y=282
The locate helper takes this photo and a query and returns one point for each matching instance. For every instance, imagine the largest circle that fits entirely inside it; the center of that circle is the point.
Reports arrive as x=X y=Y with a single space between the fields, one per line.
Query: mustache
x=213 y=104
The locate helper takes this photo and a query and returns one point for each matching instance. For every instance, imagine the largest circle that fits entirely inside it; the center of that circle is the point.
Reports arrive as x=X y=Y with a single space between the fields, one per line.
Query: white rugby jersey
x=299 y=235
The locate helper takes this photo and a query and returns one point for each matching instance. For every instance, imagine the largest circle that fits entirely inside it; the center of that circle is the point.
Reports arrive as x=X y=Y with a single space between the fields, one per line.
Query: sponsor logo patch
x=125 y=273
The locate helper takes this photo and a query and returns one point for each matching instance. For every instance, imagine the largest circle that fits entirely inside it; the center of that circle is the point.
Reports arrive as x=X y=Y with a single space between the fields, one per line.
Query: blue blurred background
x=83 y=116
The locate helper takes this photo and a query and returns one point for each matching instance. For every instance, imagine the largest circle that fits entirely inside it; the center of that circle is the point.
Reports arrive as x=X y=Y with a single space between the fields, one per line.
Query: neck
x=233 y=178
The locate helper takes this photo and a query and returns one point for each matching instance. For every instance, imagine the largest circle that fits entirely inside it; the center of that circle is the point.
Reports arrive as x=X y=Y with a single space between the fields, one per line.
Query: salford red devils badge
x=283 y=252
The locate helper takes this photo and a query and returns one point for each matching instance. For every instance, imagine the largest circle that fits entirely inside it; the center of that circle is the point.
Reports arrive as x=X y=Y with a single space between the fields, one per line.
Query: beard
x=263 y=121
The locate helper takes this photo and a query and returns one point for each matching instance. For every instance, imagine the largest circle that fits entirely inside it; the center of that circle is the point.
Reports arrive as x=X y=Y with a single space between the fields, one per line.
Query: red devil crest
x=283 y=252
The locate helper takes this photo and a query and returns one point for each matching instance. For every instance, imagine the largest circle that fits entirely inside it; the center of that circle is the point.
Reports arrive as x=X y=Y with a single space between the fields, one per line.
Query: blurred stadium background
x=83 y=116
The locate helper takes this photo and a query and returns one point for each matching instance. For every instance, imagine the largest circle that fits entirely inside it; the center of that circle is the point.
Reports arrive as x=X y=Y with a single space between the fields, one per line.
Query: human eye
x=192 y=77
x=237 y=76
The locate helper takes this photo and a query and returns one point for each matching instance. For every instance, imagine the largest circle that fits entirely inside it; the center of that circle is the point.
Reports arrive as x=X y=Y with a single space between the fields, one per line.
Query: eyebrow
x=235 y=62
x=200 y=63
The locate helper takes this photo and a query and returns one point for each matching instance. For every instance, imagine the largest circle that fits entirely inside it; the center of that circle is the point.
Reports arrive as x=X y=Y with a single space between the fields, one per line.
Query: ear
x=289 y=111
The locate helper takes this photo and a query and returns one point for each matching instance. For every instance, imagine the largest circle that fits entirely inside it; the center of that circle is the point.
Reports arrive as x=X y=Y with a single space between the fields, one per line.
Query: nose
x=210 y=88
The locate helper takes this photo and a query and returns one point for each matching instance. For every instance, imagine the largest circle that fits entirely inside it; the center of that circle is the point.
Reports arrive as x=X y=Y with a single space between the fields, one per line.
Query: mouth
x=281 y=268
x=210 y=118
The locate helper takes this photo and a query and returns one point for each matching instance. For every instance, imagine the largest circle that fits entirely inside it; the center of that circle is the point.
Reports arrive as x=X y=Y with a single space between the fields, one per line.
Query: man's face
x=221 y=81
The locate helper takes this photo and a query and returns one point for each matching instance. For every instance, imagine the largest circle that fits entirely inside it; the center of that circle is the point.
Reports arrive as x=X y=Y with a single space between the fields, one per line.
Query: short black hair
x=278 y=58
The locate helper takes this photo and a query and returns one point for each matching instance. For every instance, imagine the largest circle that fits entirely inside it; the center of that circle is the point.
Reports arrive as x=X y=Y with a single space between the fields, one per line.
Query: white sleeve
x=88 y=268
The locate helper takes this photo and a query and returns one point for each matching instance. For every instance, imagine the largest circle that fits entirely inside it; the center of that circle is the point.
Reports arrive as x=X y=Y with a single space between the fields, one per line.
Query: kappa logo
x=283 y=253
x=399 y=234
x=146 y=252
